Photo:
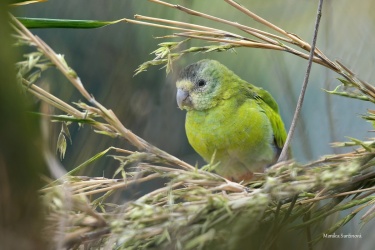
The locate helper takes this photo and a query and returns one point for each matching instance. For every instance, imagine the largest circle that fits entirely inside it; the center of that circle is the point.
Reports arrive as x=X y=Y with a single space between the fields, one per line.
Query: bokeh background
x=105 y=60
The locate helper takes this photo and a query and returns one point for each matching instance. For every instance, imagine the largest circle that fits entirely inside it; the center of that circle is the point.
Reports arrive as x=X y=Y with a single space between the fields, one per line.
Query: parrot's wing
x=268 y=99
x=277 y=124
x=270 y=107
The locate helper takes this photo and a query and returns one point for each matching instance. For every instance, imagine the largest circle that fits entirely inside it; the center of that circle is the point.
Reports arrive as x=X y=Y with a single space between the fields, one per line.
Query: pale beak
x=183 y=99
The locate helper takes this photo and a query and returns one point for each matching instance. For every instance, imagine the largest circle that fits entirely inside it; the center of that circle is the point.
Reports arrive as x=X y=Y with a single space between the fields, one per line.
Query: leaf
x=163 y=55
x=349 y=95
x=44 y=23
x=144 y=66
x=360 y=143
x=61 y=145
x=34 y=76
x=119 y=170
x=68 y=118
x=340 y=223
x=25 y=2
x=325 y=214
x=61 y=140
x=370 y=214
x=346 y=82
x=107 y=133
x=83 y=165
x=65 y=130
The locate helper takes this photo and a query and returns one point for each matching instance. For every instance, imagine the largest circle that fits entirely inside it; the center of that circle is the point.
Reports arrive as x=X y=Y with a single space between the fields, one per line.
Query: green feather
x=269 y=105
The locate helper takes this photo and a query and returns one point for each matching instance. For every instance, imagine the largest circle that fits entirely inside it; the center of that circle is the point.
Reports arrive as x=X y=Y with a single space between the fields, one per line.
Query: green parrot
x=229 y=120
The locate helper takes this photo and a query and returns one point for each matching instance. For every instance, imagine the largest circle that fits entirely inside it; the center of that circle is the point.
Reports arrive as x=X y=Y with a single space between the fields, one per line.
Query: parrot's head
x=201 y=85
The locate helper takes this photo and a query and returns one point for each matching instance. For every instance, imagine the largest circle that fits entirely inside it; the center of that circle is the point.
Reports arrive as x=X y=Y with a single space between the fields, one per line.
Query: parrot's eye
x=201 y=83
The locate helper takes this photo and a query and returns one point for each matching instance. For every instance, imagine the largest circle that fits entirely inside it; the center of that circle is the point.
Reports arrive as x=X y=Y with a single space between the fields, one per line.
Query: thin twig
x=120 y=185
x=265 y=36
x=177 y=23
x=202 y=29
x=154 y=25
x=242 y=43
x=284 y=152
x=261 y=20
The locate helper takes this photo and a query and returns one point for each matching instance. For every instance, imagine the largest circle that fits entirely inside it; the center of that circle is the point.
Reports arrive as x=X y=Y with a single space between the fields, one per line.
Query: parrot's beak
x=183 y=99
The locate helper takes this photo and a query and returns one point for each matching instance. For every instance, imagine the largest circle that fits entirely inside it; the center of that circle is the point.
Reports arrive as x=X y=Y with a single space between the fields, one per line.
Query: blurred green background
x=105 y=60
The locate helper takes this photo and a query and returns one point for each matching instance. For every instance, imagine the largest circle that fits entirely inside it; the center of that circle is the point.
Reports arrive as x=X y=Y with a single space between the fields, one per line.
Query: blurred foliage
x=21 y=161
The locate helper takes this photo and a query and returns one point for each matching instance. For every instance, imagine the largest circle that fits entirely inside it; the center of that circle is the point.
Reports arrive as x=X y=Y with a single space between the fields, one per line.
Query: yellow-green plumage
x=227 y=116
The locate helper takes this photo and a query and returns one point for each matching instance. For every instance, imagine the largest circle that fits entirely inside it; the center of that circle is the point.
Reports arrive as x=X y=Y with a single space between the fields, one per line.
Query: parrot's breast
x=240 y=135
